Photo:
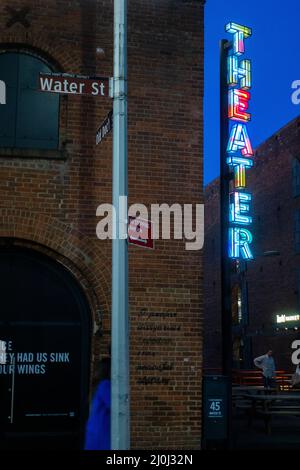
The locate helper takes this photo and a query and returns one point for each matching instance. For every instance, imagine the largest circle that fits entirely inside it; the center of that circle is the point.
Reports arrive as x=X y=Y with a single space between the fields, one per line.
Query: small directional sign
x=140 y=232
x=69 y=84
x=104 y=128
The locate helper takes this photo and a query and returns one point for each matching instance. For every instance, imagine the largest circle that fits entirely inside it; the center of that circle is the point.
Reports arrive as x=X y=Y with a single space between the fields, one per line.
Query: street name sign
x=69 y=84
x=104 y=128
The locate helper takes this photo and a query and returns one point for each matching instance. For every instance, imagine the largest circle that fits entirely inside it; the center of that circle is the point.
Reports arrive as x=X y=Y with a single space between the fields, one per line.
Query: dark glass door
x=44 y=354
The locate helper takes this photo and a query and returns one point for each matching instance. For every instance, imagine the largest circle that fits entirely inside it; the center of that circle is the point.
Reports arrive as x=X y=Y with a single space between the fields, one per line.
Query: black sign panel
x=104 y=128
x=43 y=355
x=215 y=407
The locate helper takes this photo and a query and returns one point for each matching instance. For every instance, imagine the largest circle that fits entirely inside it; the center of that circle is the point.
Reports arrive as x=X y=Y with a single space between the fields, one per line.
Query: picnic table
x=283 y=404
x=241 y=394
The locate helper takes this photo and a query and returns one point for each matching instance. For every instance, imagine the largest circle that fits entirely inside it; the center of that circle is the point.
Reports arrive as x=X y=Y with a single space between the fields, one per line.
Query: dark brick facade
x=272 y=278
x=49 y=198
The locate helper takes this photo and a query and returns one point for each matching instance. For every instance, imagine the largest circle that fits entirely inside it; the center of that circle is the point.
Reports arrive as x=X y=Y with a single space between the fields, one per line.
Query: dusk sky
x=274 y=49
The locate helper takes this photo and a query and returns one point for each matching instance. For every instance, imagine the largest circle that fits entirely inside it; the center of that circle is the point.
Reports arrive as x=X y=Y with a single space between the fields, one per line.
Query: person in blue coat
x=98 y=425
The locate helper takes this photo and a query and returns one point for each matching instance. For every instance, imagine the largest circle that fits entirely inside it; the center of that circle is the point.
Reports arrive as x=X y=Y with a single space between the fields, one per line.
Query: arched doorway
x=44 y=353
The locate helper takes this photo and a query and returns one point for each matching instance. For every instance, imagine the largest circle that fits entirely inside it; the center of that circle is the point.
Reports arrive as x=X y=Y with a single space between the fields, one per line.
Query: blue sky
x=274 y=49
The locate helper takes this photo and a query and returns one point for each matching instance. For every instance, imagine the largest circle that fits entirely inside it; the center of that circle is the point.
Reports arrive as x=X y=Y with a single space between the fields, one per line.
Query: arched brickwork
x=80 y=255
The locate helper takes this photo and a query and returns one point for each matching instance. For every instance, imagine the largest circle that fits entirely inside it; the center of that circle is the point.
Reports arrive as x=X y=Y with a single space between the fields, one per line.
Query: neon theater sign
x=239 y=152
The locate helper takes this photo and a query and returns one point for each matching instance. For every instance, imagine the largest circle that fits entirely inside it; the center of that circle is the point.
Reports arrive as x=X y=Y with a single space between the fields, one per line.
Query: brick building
x=55 y=274
x=268 y=286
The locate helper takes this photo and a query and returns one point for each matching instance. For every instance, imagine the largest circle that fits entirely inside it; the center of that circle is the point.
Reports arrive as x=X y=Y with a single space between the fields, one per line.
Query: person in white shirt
x=267 y=364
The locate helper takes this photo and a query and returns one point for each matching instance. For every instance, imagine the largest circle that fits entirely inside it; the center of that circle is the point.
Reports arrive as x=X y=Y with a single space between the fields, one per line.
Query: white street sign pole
x=120 y=423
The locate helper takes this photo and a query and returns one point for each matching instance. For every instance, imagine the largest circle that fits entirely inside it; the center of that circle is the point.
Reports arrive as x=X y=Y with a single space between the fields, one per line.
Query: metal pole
x=120 y=425
x=224 y=209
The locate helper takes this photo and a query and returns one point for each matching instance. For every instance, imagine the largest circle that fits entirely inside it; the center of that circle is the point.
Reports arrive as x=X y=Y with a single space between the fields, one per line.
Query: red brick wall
x=273 y=281
x=50 y=204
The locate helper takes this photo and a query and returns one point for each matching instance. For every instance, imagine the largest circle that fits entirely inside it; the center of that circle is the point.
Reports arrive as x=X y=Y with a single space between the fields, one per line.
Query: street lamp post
x=226 y=318
x=120 y=425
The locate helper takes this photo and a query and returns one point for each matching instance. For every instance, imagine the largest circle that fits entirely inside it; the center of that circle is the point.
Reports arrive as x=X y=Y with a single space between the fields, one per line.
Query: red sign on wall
x=65 y=83
x=140 y=232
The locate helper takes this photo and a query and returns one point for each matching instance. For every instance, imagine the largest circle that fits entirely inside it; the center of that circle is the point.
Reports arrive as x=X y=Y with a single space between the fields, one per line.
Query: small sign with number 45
x=215 y=408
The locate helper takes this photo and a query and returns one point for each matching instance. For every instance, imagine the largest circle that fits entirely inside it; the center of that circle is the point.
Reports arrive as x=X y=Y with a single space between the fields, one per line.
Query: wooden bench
x=254 y=377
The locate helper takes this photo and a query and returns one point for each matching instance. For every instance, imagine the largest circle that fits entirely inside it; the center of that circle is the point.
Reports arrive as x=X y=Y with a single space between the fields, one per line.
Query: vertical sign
x=239 y=153
x=2 y=92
